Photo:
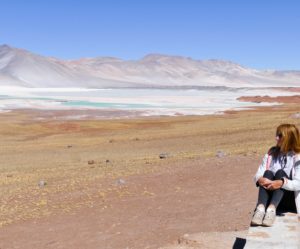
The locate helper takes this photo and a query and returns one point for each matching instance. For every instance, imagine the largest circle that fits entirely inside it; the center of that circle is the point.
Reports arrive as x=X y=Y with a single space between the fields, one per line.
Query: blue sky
x=260 y=34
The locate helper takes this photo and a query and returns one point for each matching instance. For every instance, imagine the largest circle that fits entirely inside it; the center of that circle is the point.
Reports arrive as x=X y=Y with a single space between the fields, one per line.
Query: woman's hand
x=273 y=185
x=264 y=182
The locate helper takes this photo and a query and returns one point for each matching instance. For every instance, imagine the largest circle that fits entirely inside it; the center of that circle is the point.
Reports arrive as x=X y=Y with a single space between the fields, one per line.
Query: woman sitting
x=278 y=177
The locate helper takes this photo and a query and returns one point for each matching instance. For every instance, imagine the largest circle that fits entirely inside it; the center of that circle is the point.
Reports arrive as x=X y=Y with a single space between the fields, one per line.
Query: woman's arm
x=261 y=169
x=294 y=184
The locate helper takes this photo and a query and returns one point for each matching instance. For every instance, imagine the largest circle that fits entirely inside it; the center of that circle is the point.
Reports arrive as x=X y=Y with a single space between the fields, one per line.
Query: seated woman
x=278 y=177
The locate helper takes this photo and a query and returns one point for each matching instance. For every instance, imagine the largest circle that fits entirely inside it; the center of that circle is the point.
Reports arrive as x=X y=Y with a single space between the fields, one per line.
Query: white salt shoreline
x=134 y=102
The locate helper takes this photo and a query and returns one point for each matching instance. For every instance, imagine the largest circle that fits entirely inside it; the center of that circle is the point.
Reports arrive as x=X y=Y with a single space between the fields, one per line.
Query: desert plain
x=143 y=182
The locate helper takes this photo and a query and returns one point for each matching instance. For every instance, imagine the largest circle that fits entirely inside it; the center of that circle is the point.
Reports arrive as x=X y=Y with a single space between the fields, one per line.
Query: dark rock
x=107 y=161
x=163 y=155
x=69 y=146
x=91 y=161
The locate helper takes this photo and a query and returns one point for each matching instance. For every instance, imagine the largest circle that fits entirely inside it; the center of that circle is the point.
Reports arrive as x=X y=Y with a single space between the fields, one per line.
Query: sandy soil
x=102 y=183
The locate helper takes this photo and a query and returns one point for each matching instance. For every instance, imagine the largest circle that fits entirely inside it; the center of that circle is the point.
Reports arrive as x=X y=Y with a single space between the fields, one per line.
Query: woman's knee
x=280 y=173
x=268 y=174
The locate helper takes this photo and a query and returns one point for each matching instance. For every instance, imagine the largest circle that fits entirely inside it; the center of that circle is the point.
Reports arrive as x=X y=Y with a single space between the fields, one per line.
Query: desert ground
x=135 y=183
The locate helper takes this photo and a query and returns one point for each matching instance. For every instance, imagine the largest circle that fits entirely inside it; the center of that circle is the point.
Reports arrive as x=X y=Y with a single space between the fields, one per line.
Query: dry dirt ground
x=101 y=183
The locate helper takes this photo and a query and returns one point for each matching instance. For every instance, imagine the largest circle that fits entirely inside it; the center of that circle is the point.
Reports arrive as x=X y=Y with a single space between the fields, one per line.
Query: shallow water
x=195 y=101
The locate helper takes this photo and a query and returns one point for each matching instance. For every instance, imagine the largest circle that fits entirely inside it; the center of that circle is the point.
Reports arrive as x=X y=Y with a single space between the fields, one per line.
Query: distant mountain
x=19 y=67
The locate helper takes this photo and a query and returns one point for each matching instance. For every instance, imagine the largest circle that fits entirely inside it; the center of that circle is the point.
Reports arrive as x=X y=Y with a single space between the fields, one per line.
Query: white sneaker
x=257 y=218
x=269 y=218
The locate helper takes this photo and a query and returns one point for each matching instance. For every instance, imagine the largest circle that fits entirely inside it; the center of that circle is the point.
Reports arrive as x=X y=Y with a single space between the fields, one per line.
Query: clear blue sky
x=256 y=33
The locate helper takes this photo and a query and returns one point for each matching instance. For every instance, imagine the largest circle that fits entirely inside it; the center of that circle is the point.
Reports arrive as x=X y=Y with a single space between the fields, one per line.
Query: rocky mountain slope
x=19 y=67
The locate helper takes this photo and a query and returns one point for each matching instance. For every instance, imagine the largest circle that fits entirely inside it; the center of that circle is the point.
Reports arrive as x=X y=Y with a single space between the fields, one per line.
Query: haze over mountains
x=22 y=68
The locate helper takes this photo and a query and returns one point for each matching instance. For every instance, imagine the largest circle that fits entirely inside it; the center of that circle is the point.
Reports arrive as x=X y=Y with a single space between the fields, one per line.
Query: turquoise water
x=106 y=105
x=207 y=100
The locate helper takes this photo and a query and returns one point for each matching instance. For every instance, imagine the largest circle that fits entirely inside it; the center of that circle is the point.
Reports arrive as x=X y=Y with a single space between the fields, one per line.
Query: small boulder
x=120 y=182
x=220 y=154
x=42 y=183
x=91 y=162
x=163 y=155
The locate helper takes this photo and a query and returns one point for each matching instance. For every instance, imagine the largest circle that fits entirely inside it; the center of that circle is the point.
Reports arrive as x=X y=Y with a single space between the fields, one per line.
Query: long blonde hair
x=290 y=138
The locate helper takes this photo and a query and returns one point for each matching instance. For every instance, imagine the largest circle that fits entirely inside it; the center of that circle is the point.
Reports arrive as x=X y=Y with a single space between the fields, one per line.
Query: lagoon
x=149 y=101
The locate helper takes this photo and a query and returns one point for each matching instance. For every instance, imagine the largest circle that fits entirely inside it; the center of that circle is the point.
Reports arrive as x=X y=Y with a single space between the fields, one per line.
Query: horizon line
x=146 y=55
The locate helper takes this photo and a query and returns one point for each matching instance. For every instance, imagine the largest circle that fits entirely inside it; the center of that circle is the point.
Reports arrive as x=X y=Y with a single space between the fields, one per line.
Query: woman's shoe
x=257 y=218
x=269 y=218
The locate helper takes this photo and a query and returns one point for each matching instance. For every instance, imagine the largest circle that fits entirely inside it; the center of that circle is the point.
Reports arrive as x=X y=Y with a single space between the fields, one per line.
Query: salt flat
x=145 y=101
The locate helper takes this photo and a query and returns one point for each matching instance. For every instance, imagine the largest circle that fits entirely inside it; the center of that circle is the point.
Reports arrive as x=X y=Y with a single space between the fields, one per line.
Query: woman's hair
x=290 y=138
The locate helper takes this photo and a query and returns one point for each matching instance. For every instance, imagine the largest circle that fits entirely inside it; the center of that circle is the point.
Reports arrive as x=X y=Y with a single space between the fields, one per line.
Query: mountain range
x=19 y=67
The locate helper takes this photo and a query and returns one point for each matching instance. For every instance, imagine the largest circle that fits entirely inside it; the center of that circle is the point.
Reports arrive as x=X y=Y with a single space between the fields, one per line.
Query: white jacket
x=289 y=184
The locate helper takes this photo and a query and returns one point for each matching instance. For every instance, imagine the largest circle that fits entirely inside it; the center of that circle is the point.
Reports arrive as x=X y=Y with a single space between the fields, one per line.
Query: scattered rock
x=184 y=239
x=295 y=115
x=120 y=182
x=220 y=154
x=42 y=183
x=91 y=161
x=69 y=146
x=111 y=140
x=137 y=139
x=163 y=155
x=107 y=161
x=9 y=175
